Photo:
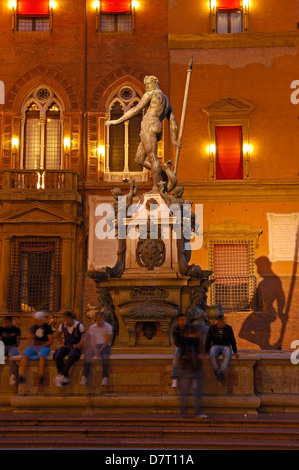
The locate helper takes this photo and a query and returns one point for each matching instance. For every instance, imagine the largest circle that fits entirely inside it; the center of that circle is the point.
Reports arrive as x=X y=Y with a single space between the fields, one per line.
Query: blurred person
x=11 y=336
x=182 y=341
x=41 y=337
x=71 y=334
x=100 y=335
x=190 y=381
x=220 y=341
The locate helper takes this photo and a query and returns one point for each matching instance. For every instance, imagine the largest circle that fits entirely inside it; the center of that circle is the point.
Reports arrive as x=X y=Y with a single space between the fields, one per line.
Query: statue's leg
x=140 y=156
x=150 y=146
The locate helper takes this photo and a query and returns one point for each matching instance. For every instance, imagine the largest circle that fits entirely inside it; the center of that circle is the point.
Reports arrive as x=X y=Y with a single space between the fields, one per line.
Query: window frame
x=228 y=111
x=99 y=13
x=231 y=232
x=229 y=12
x=110 y=175
x=213 y=17
x=15 y=21
x=19 y=286
x=43 y=106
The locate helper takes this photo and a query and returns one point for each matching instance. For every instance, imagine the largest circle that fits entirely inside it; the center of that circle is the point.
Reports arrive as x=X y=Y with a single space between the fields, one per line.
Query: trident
x=178 y=149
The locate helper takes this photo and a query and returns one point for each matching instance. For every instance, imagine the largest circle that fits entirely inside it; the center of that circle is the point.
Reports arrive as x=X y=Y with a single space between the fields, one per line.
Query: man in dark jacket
x=220 y=341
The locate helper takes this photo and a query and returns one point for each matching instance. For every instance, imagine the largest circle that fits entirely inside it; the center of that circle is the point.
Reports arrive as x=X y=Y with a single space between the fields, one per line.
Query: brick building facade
x=68 y=66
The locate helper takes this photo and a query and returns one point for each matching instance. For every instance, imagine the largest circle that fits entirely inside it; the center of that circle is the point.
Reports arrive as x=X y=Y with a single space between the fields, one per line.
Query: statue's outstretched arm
x=133 y=111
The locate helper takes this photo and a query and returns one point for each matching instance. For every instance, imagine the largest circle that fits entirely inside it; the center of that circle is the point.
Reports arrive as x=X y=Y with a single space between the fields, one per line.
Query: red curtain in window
x=33 y=8
x=229 y=156
x=116 y=6
x=229 y=4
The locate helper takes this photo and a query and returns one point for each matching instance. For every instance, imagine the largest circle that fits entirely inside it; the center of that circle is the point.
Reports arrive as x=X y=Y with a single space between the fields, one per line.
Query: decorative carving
x=150 y=253
x=148 y=292
x=147 y=310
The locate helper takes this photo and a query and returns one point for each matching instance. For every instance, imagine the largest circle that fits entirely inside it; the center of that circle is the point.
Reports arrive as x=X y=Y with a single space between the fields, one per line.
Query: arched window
x=123 y=139
x=42 y=131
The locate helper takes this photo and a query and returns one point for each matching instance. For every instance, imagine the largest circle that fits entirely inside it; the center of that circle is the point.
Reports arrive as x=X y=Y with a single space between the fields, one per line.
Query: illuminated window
x=41 y=132
x=229 y=148
x=116 y=16
x=229 y=152
x=229 y=16
x=33 y=15
x=124 y=138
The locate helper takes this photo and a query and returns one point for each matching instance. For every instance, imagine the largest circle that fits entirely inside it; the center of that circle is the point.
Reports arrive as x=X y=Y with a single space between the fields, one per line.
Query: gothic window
x=42 y=131
x=122 y=140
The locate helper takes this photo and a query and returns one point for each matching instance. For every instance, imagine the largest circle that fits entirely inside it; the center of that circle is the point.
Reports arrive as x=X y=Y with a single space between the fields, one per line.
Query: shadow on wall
x=271 y=304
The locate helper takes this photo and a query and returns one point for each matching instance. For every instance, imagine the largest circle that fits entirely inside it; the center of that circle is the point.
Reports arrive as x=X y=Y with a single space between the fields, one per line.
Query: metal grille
x=32 y=144
x=53 y=144
x=234 y=284
x=33 y=24
x=35 y=279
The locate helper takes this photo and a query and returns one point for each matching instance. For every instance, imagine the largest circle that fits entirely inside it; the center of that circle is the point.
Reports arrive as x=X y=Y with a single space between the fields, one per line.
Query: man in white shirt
x=100 y=335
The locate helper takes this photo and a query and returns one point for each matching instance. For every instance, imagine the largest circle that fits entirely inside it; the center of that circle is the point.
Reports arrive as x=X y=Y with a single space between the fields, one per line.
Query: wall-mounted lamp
x=135 y=4
x=53 y=4
x=96 y=5
x=246 y=5
x=15 y=146
x=211 y=149
x=67 y=144
x=13 y=4
x=247 y=149
x=213 y=6
x=101 y=157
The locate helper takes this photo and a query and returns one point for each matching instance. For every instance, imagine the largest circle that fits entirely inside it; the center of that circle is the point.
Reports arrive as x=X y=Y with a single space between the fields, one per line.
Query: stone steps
x=156 y=432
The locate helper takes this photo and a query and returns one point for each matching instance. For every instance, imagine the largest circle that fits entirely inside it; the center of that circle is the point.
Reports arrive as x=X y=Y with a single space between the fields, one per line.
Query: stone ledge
x=257 y=381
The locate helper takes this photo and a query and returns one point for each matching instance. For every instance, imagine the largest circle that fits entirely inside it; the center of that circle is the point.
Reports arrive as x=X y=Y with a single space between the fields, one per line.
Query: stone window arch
x=41 y=135
x=121 y=141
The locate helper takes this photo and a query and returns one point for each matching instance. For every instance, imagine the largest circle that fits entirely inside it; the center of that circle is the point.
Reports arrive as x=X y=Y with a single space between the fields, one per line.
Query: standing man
x=100 y=336
x=71 y=335
x=151 y=127
x=10 y=335
x=220 y=341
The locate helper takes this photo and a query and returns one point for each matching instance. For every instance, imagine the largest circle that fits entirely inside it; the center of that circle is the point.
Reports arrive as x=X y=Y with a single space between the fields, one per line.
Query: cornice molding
x=220 y=41
x=241 y=190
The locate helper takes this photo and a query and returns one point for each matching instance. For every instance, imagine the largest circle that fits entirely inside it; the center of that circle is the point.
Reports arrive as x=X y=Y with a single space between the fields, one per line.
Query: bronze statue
x=158 y=108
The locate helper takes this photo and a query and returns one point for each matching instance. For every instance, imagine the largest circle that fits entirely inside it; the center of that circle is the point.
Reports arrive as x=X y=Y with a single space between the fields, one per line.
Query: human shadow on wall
x=270 y=304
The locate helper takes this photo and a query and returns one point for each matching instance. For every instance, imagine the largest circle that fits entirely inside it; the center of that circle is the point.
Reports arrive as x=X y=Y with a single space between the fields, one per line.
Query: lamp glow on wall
x=67 y=145
x=15 y=146
x=213 y=6
x=101 y=157
x=96 y=5
x=53 y=4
